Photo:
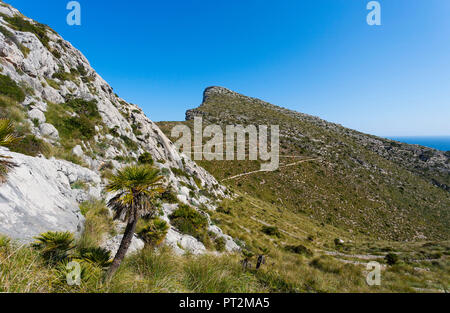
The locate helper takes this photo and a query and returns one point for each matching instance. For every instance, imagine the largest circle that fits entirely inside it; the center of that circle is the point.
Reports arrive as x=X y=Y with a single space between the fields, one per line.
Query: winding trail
x=259 y=171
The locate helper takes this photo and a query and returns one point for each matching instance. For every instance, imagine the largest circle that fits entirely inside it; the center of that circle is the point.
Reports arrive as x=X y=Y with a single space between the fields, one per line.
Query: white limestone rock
x=112 y=244
x=37 y=197
x=183 y=243
x=78 y=151
x=36 y=114
x=48 y=130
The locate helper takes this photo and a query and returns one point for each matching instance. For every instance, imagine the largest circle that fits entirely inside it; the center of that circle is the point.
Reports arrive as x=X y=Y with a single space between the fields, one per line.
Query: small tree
x=136 y=188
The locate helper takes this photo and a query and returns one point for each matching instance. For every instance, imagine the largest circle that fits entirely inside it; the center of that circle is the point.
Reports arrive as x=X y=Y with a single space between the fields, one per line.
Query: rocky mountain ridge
x=366 y=184
x=61 y=104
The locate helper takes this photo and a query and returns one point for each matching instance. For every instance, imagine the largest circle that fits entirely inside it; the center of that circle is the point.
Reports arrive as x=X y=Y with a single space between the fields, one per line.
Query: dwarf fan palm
x=135 y=189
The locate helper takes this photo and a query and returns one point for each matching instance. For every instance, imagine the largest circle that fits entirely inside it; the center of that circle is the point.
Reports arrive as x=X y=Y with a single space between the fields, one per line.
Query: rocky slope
x=358 y=182
x=64 y=109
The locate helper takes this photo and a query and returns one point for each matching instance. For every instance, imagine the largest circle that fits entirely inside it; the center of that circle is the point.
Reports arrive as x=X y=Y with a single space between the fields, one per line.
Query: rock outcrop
x=38 y=196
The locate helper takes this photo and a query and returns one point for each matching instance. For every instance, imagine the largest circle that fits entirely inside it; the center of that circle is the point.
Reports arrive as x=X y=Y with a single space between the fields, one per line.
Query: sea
x=437 y=142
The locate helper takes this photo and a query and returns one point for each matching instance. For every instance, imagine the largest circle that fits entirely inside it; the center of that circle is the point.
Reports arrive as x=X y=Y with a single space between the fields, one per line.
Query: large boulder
x=37 y=196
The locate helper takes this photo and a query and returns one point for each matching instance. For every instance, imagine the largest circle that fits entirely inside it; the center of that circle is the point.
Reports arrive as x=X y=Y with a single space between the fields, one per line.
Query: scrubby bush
x=31 y=145
x=225 y=210
x=146 y=158
x=169 y=196
x=130 y=144
x=271 y=231
x=189 y=221
x=70 y=127
x=220 y=244
x=299 y=249
x=153 y=231
x=19 y=23
x=11 y=37
x=178 y=172
x=391 y=258
x=54 y=246
x=9 y=88
x=83 y=107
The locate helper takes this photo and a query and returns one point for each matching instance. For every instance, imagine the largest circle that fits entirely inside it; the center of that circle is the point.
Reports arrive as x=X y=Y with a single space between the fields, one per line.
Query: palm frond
x=135 y=188
x=5 y=167
x=7 y=139
x=7 y=136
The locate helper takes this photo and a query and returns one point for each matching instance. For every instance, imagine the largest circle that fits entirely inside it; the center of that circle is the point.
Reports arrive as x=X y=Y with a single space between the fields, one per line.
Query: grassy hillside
x=347 y=184
x=300 y=257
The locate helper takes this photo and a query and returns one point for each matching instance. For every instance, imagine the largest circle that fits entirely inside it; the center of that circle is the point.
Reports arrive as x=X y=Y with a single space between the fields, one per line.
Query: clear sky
x=315 y=56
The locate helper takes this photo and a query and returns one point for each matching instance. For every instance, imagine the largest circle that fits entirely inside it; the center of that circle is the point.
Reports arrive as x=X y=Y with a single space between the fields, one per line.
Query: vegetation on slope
x=346 y=184
x=420 y=267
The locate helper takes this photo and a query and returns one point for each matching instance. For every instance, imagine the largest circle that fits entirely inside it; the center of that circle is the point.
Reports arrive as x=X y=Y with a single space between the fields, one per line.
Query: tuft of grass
x=98 y=224
x=209 y=274
x=79 y=185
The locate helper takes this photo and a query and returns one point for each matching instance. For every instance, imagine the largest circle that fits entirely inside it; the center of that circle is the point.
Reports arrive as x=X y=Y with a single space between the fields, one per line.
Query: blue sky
x=315 y=56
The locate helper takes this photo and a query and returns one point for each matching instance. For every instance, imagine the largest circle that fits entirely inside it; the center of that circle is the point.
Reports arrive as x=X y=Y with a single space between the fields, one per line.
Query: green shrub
x=169 y=196
x=56 y=54
x=9 y=88
x=220 y=244
x=53 y=84
x=391 y=258
x=90 y=273
x=83 y=107
x=146 y=158
x=130 y=144
x=71 y=127
x=178 y=172
x=271 y=231
x=153 y=231
x=300 y=249
x=31 y=145
x=63 y=75
x=20 y=24
x=79 y=185
x=225 y=210
x=54 y=246
x=188 y=221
